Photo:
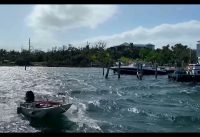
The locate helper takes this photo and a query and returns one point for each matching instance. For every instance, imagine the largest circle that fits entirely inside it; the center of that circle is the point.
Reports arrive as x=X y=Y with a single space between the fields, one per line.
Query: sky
x=55 y=25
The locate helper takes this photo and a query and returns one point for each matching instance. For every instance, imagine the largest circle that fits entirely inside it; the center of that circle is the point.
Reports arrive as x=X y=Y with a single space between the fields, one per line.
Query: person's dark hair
x=29 y=97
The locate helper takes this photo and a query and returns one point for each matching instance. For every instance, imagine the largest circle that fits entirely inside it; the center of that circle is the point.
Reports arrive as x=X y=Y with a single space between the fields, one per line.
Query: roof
x=125 y=43
x=136 y=45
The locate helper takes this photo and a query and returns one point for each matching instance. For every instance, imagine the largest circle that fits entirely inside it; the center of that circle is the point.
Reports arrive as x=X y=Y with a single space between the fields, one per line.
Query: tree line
x=98 y=55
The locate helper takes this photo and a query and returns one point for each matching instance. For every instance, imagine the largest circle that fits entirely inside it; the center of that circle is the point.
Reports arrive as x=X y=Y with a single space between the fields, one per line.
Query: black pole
x=156 y=72
x=119 y=69
x=107 y=73
x=141 y=72
x=103 y=70
x=137 y=71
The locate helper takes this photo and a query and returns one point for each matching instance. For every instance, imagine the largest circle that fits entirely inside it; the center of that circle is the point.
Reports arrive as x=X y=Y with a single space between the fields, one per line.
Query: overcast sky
x=57 y=25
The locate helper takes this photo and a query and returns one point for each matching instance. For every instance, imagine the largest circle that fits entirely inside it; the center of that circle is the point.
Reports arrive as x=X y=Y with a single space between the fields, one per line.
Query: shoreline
x=51 y=66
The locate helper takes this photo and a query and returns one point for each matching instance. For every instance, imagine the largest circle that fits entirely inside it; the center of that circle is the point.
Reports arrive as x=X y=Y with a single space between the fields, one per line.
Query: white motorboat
x=193 y=69
x=39 y=109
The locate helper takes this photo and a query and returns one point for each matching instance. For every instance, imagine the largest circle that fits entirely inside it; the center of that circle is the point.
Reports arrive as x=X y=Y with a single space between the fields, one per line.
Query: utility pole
x=29 y=43
x=29 y=52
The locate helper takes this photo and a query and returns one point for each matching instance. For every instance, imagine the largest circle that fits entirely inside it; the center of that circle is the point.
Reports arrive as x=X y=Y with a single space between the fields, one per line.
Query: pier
x=189 y=74
x=184 y=77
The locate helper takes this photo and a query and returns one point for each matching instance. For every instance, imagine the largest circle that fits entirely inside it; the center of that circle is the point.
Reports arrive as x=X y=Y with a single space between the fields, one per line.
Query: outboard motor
x=29 y=97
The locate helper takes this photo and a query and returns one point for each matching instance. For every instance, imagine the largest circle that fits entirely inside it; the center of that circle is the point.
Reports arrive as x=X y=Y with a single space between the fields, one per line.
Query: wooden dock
x=184 y=77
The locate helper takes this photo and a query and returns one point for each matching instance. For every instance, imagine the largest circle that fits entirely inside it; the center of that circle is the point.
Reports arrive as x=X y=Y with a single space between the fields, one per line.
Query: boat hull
x=42 y=112
x=133 y=71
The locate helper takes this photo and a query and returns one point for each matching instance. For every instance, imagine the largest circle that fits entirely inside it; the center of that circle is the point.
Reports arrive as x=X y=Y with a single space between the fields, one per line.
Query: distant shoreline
x=45 y=64
x=51 y=66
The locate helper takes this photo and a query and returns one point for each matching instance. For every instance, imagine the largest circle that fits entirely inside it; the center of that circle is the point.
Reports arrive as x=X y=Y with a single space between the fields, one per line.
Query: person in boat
x=30 y=97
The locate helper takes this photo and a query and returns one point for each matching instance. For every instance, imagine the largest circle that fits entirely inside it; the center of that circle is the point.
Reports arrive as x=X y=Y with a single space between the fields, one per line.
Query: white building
x=149 y=46
x=198 y=51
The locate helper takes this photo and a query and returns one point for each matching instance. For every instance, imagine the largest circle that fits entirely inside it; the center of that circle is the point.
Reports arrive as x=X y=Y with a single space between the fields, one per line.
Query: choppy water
x=99 y=104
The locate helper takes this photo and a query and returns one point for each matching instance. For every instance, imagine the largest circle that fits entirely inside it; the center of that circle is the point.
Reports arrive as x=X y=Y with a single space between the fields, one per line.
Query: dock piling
x=103 y=70
x=139 y=71
x=119 y=69
x=107 y=73
x=156 y=72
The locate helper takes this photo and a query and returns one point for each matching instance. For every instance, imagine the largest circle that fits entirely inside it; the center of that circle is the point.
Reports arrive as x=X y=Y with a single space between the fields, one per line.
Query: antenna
x=29 y=43
x=22 y=48
x=88 y=43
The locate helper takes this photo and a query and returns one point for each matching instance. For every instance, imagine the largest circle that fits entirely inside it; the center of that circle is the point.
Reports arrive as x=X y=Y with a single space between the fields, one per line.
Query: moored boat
x=190 y=74
x=146 y=70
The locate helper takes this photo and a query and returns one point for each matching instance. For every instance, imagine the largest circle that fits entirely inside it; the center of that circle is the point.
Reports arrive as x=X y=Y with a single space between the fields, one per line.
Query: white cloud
x=185 y=33
x=59 y=17
x=48 y=20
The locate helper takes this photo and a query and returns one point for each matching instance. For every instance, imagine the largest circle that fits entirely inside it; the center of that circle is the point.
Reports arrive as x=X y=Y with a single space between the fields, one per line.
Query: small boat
x=190 y=74
x=193 y=69
x=39 y=109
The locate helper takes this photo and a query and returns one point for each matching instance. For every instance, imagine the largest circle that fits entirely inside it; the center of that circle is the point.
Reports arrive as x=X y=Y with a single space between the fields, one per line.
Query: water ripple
x=99 y=105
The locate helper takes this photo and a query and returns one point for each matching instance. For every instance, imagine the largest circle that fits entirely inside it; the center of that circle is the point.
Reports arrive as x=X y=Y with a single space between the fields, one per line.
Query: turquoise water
x=99 y=104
